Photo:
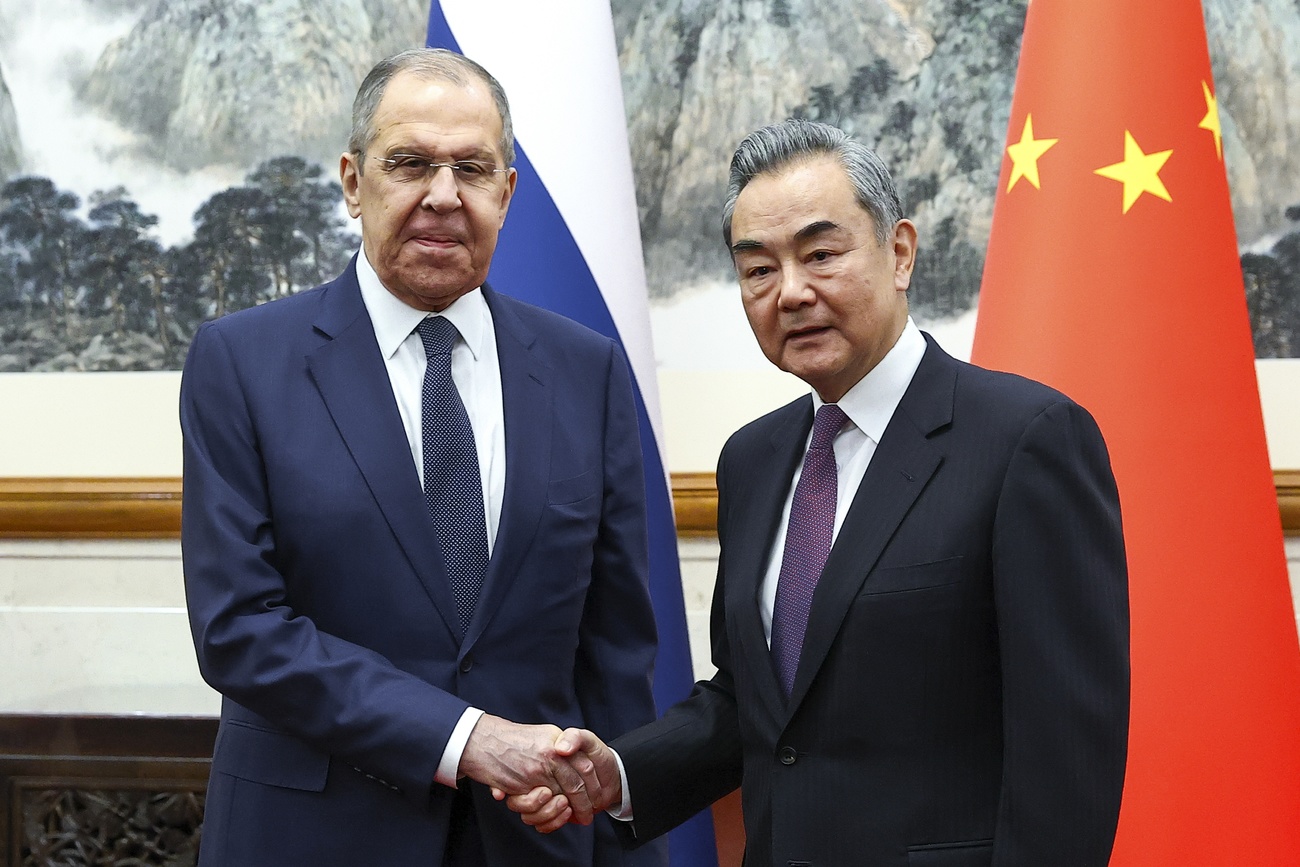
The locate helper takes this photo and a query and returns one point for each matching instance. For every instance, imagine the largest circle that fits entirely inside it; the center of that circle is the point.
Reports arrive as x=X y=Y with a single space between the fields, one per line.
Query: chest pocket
x=976 y=853
x=573 y=489
x=918 y=576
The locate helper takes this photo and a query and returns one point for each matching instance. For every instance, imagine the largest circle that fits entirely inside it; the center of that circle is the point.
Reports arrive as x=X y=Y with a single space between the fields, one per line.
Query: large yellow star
x=1211 y=119
x=1139 y=172
x=1025 y=153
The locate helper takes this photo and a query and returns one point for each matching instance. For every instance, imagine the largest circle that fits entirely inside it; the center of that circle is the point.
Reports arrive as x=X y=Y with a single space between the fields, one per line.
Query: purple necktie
x=807 y=544
x=453 y=488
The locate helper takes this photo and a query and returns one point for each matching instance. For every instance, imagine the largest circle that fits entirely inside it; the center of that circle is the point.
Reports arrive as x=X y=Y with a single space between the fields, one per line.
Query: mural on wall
x=167 y=161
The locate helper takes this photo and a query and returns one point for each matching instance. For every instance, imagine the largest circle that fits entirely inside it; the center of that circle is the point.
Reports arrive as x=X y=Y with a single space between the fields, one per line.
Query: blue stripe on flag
x=538 y=233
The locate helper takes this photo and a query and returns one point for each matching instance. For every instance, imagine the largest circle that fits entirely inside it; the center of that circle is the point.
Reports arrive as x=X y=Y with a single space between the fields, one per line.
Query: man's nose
x=796 y=289
x=442 y=193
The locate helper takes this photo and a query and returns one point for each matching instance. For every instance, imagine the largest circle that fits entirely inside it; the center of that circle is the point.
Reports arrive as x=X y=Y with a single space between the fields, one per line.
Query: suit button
x=466 y=664
x=788 y=756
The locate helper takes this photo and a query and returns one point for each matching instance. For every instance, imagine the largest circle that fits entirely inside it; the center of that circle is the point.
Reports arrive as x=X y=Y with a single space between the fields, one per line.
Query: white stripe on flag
x=572 y=123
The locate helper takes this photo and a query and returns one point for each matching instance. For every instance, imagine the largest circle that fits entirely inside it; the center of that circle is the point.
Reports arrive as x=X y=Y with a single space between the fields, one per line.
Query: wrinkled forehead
x=434 y=140
x=796 y=198
x=437 y=113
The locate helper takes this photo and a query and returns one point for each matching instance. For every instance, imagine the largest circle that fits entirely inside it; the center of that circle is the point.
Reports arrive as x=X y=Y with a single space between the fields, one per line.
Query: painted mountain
x=206 y=135
x=928 y=82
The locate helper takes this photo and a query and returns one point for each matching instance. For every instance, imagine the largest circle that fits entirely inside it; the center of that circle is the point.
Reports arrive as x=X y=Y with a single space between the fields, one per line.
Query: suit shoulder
x=761 y=429
x=1004 y=392
x=560 y=340
x=547 y=321
x=280 y=332
x=271 y=315
x=1003 y=407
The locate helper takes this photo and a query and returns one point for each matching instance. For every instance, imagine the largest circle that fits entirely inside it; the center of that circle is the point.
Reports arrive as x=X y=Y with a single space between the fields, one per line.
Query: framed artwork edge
x=150 y=507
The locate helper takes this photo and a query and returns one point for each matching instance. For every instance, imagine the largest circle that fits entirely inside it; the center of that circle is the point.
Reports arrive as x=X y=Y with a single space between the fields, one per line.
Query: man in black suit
x=920 y=622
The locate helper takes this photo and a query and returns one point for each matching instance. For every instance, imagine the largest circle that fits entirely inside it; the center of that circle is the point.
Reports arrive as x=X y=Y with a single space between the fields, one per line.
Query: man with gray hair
x=920 y=622
x=414 y=524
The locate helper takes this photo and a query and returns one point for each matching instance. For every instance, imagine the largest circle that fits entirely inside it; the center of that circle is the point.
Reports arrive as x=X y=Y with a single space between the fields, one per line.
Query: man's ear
x=350 y=178
x=507 y=194
x=904 y=247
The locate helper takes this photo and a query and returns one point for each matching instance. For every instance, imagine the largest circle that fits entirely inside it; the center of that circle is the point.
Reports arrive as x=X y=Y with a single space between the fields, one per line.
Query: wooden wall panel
x=85 y=508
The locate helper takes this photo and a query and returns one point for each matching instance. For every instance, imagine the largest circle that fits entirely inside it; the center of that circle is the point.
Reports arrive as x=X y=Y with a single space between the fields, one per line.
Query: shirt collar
x=394 y=319
x=871 y=402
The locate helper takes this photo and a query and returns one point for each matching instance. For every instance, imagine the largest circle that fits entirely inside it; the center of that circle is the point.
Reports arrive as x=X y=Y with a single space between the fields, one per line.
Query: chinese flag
x=1112 y=274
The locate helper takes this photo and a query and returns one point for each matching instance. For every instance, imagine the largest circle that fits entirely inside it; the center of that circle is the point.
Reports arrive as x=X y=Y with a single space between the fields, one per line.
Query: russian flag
x=574 y=210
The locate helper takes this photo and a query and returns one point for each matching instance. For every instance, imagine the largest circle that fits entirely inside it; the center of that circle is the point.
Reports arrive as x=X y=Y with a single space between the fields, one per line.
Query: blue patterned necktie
x=807 y=544
x=453 y=488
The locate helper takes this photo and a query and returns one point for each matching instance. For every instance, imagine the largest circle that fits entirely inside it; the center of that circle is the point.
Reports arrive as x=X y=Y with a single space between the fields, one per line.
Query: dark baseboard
x=102 y=790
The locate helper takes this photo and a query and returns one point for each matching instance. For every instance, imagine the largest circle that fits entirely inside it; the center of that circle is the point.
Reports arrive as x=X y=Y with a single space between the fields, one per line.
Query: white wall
x=99 y=626
x=96 y=627
x=125 y=424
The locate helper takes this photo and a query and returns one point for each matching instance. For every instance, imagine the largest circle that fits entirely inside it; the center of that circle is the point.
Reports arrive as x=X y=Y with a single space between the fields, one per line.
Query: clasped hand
x=550 y=777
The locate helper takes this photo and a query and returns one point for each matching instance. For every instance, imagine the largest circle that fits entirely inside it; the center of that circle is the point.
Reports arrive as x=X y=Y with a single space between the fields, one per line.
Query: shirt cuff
x=624 y=811
x=449 y=767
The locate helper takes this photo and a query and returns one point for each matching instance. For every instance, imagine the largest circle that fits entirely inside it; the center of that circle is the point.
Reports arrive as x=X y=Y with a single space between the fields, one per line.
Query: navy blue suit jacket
x=962 y=698
x=320 y=605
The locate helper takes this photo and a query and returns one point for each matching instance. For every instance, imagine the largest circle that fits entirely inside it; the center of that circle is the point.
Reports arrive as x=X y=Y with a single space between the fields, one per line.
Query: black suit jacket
x=963 y=693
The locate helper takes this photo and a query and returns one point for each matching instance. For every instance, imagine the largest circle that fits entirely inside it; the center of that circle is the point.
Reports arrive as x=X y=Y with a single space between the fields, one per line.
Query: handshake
x=550 y=777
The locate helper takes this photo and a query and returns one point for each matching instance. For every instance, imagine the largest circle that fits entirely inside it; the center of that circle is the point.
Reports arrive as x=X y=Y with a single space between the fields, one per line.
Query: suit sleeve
x=691 y=757
x=252 y=646
x=1061 y=591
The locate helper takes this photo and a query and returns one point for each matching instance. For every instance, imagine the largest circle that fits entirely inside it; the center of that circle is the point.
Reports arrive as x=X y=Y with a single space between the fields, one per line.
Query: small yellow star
x=1025 y=153
x=1139 y=172
x=1211 y=119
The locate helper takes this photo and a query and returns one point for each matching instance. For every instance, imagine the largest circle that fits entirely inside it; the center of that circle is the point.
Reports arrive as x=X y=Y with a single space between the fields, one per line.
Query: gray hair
x=775 y=147
x=430 y=63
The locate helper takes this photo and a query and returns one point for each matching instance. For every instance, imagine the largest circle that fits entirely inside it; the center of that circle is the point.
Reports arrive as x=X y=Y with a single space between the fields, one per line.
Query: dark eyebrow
x=812 y=230
x=482 y=155
x=478 y=154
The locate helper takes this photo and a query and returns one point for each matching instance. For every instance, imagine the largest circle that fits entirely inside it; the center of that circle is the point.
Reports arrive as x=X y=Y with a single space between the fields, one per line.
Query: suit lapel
x=756 y=504
x=903 y=463
x=526 y=395
x=353 y=382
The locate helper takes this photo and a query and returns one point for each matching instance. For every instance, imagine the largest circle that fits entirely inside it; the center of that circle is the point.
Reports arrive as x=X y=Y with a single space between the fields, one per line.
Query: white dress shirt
x=869 y=404
x=476 y=371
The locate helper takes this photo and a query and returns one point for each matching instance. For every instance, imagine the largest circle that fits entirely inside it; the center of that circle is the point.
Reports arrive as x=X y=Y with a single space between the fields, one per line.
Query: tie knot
x=830 y=418
x=438 y=335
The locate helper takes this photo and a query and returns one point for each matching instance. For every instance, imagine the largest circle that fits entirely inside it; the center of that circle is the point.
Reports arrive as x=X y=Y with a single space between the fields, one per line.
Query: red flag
x=1112 y=274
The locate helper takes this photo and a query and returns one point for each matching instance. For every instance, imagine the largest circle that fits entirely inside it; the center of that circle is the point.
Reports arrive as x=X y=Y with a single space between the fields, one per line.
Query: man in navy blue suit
x=920 y=622
x=397 y=613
